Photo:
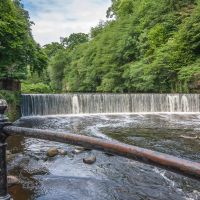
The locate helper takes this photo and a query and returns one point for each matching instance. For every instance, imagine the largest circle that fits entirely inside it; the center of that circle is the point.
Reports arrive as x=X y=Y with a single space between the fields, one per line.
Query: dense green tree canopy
x=52 y=49
x=145 y=46
x=17 y=46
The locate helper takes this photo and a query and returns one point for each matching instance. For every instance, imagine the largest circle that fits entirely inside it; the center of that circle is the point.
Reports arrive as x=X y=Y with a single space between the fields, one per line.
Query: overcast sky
x=59 y=18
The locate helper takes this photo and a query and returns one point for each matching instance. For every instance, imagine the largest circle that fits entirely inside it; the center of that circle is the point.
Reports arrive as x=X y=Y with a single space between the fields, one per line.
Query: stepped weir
x=51 y=104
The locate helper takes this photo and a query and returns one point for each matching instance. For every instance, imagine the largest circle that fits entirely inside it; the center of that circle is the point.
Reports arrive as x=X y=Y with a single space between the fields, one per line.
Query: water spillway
x=54 y=104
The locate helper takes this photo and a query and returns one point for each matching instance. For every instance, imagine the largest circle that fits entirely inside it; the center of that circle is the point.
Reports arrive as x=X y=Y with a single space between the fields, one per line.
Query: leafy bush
x=29 y=88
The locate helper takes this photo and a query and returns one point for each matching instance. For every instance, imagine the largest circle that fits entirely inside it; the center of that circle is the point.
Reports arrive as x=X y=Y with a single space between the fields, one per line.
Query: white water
x=57 y=104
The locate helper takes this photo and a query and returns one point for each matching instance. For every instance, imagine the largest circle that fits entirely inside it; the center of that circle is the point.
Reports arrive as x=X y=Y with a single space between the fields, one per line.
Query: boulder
x=62 y=152
x=12 y=181
x=52 y=152
x=90 y=160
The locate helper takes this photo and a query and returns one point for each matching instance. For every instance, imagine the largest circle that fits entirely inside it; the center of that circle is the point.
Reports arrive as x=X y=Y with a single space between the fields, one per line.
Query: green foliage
x=30 y=88
x=120 y=8
x=13 y=100
x=17 y=47
x=56 y=70
x=98 y=29
x=8 y=96
x=75 y=39
x=52 y=49
x=149 y=46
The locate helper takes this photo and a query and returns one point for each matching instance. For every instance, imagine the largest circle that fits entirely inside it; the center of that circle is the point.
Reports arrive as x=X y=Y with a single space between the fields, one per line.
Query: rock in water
x=89 y=160
x=8 y=152
x=109 y=154
x=78 y=150
x=83 y=148
x=52 y=152
x=189 y=137
x=63 y=152
x=10 y=157
x=12 y=181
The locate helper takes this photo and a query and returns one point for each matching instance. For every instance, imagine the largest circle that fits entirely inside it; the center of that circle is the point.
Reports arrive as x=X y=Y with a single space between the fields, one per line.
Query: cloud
x=59 y=18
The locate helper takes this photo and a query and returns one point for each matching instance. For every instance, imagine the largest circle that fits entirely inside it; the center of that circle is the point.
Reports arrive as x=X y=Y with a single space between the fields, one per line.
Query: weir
x=51 y=104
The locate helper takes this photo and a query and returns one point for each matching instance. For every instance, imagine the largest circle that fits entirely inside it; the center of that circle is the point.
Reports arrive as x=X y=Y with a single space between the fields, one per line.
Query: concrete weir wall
x=86 y=103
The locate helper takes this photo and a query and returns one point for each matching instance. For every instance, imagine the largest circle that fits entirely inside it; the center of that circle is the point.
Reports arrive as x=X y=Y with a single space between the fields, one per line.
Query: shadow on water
x=111 y=177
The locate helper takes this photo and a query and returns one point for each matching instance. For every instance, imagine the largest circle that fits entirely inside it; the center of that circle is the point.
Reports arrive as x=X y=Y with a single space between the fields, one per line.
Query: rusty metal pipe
x=172 y=163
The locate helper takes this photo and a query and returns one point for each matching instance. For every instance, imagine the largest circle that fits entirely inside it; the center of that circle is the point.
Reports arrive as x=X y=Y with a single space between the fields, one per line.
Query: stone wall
x=194 y=85
x=10 y=84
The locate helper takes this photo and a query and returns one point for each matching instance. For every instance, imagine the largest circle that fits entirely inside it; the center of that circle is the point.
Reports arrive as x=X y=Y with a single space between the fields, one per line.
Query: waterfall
x=52 y=104
x=75 y=105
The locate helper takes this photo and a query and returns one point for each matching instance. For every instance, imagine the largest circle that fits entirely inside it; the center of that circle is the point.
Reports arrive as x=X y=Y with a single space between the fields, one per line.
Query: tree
x=56 y=68
x=75 y=39
x=52 y=49
x=17 y=46
x=120 y=8
x=98 y=29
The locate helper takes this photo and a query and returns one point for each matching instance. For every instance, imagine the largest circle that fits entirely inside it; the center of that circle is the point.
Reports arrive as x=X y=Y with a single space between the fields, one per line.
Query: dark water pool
x=111 y=177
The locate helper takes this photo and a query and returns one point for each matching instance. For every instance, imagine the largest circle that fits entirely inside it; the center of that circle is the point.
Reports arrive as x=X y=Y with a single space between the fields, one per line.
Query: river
x=111 y=177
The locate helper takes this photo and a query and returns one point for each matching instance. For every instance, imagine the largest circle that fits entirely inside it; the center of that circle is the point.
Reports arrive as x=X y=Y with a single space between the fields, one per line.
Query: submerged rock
x=52 y=152
x=189 y=137
x=83 y=148
x=78 y=150
x=109 y=154
x=12 y=181
x=8 y=152
x=9 y=156
x=90 y=160
x=62 y=152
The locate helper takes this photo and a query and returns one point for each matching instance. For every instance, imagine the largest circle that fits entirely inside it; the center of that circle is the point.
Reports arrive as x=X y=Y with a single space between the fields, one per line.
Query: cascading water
x=51 y=104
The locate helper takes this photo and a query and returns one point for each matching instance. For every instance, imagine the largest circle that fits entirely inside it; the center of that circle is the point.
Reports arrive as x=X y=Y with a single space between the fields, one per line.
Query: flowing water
x=111 y=177
x=48 y=104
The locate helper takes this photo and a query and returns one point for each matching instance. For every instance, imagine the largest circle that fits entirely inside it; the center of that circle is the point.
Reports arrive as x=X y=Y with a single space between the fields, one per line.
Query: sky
x=59 y=18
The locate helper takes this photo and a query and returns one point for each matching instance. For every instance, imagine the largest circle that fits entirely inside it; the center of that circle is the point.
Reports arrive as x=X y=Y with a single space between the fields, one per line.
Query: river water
x=111 y=177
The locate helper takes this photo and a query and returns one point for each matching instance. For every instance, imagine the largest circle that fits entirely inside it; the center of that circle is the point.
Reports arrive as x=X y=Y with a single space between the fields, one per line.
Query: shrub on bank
x=30 y=88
